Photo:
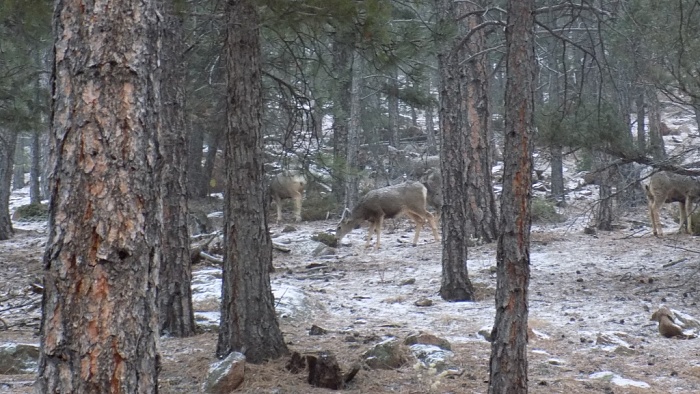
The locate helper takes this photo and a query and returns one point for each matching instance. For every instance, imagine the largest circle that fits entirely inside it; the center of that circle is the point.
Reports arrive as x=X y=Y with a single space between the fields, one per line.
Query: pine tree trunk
x=8 y=142
x=248 y=320
x=197 y=183
x=641 y=119
x=393 y=104
x=100 y=316
x=481 y=202
x=508 y=364
x=35 y=170
x=656 y=140
x=353 y=147
x=456 y=285
x=210 y=159
x=430 y=127
x=342 y=58
x=19 y=165
x=174 y=289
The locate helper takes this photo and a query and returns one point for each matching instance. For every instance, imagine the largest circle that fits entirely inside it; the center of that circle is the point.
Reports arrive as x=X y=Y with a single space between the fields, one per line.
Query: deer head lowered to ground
x=407 y=198
x=665 y=187
x=288 y=184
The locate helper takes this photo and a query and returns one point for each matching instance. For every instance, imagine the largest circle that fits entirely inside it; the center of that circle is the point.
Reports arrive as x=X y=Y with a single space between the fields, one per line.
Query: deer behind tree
x=666 y=187
x=285 y=185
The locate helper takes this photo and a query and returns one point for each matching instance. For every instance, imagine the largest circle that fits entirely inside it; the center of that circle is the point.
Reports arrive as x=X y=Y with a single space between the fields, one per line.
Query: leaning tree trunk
x=248 y=320
x=100 y=316
x=481 y=202
x=8 y=142
x=456 y=285
x=174 y=289
x=508 y=364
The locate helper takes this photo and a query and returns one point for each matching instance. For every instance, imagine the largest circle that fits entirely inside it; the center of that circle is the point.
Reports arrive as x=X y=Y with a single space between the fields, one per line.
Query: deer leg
x=418 y=220
x=278 y=202
x=684 y=217
x=297 y=207
x=433 y=226
x=689 y=214
x=655 y=222
x=370 y=230
x=378 y=228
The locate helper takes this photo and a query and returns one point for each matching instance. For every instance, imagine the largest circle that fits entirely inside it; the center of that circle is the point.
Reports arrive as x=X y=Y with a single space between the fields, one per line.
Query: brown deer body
x=285 y=185
x=667 y=187
x=407 y=198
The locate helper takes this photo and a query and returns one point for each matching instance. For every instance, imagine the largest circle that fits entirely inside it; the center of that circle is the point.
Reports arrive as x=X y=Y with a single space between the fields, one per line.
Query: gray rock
x=388 y=354
x=225 y=375
x=18 y=358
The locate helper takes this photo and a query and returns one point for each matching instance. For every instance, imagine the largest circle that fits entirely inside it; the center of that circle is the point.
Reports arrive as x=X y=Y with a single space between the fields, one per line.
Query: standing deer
x=404 y=198
x=666 y=187
x=288 y=184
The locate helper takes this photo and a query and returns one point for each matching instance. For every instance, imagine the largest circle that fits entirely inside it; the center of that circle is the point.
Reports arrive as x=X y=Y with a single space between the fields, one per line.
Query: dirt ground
x=591 y=298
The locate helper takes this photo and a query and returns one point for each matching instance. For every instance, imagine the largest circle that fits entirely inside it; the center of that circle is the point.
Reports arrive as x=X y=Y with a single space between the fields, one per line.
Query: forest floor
x=591 y=298
x=590 y=302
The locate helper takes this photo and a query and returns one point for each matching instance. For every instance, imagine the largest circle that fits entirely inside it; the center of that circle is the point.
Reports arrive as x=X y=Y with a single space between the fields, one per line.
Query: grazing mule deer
x=288 y=184
x=665 y=187
x=408 y=198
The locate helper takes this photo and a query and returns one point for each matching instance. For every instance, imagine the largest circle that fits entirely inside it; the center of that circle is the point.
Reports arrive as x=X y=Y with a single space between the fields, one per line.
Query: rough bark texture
x=174 y=289
x=481 y=202
x=508 y=364
x=248 y=321
x=456 y=285
x=100 y=317
x=8 y=141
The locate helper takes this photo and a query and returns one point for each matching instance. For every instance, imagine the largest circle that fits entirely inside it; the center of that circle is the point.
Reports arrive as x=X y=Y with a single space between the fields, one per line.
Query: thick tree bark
x=481 y=202
x=248 y=320
x=35 y=170
x=508 y=364
x=174 y=288
x=456 y=285
x=8 y=142
x=100 y=316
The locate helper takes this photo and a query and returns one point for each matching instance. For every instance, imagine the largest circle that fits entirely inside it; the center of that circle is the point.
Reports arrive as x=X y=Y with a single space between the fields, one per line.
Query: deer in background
x=667 y=187
x=285 y=185
x=407 y=198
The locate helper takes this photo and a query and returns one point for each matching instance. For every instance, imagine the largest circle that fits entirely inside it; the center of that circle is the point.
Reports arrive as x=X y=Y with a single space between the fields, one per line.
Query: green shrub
x=31 y=212
x=317 y=206
x=325 y=238
x=545 y=211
